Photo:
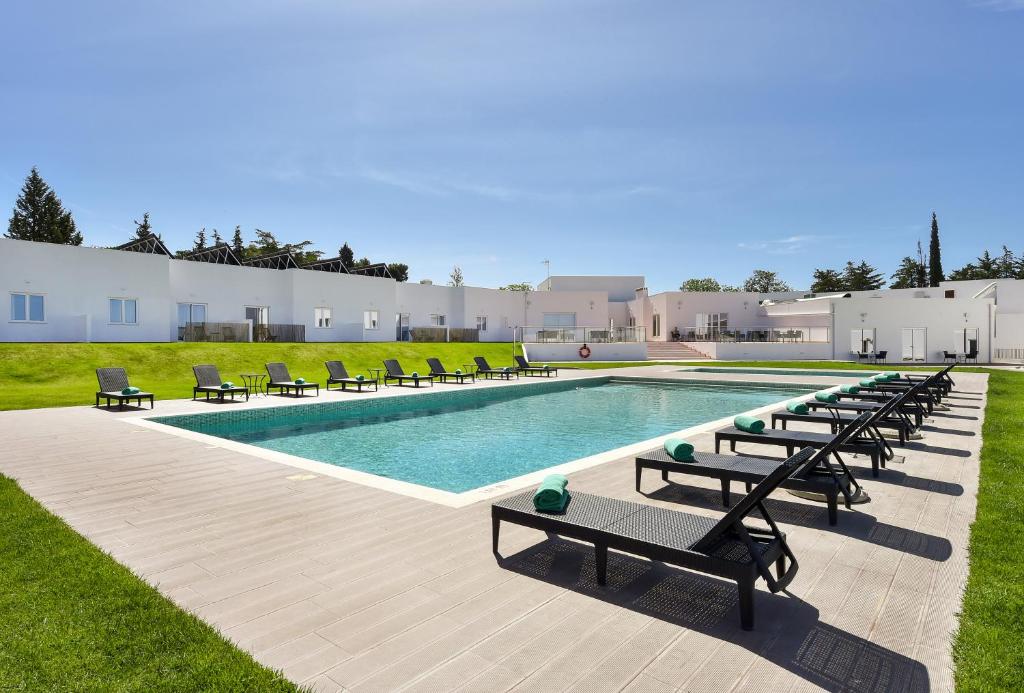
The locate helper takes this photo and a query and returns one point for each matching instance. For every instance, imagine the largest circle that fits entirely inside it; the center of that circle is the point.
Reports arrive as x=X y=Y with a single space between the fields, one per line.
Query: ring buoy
x=584 y=352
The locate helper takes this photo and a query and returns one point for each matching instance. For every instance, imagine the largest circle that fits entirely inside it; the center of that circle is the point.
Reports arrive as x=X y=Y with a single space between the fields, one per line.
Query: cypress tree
x=935 y=255
x=348 y=258
x=39 y=215
x=236 y=243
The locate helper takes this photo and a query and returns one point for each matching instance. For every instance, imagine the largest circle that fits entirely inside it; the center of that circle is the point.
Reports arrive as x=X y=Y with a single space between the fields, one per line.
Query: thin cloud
x=782 y=246
x=999 y=5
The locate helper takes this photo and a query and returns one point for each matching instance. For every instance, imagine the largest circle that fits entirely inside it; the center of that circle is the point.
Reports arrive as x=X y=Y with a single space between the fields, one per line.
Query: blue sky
x=671 y=139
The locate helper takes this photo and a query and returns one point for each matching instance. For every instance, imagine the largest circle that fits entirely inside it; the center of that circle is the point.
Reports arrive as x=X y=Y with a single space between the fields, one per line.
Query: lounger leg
x=664 y=475
x=639 y=473
x=726 y=484
x=780 y=566
x=833 y=509
x=718 y=445
x=495 y=527
x=732 y=446
x=601 y=562
x=746 y=589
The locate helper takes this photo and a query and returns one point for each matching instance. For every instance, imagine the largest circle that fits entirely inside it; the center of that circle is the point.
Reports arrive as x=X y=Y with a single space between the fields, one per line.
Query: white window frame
x=191 y=305
x=124 y=312
x=655 y=325
x=481 y=323
x=438 y=320
x=28 y=295
x=322 y=317
x=371 y=319
x=561 y=324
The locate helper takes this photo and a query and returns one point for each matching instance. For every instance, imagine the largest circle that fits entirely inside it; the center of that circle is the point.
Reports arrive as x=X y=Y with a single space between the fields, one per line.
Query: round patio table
x=376 y=375
x=254 y=381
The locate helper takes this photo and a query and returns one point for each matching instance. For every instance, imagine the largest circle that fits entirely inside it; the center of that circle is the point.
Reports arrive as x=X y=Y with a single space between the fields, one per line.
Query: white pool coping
x=465 y=498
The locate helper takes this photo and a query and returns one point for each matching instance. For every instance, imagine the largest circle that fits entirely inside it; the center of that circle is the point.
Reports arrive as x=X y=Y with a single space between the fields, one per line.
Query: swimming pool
x=852 y=374
x=456 y=441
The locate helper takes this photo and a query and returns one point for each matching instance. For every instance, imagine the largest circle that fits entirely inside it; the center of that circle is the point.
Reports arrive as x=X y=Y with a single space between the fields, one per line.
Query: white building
x=74 y=294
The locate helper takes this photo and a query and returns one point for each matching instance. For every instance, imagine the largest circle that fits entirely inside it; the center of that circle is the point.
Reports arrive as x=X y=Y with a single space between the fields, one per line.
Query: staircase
x=672 y=351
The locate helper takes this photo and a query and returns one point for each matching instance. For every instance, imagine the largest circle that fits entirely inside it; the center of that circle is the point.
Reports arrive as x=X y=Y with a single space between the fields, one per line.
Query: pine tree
x=862 y=277
x=456 y=278
x=1006 y=265
x=399 y=271
x=827 y=281
x=346 y=255
x=765 y=281
x=39 y=215
x=143 y=229
x=266 y=242
x=237 y=246
x=907 y=274
x=217 y=240
x=987 y=266
x=200 y=243
x=935 y=255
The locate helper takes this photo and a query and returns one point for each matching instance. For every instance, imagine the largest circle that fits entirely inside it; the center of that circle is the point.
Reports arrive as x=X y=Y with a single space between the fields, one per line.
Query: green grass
x=72 y=618
x=53 y=375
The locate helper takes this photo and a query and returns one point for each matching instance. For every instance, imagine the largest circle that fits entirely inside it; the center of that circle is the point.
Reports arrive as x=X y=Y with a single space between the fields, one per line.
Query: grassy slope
x=72 y=618
x=40 y=375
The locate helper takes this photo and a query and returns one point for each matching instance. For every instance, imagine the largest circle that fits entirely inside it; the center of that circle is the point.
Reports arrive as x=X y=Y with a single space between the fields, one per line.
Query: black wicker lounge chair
x=823 y=477
x=437 y=370
x=209 y=383
x=393 y=371
x=523 y=366
x=892 y=418
x=282 y=381
x=727 y=548
x=337 y=374
x=483 y=368
x=112 y=382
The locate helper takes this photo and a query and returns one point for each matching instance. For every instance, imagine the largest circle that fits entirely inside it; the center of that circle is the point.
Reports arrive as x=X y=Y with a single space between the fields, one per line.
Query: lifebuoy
x=584 y=352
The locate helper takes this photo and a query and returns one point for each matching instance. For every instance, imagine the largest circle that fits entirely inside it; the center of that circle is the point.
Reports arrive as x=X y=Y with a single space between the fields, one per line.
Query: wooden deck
x=346 y=587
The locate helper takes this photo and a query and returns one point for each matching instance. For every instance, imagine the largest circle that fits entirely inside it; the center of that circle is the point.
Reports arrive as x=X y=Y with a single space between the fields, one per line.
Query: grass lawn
x=72 y=618
x=52 y=375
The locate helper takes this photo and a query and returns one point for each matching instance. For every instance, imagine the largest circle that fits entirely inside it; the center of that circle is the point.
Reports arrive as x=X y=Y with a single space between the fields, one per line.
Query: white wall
x=763 y=351
x=618 y=288
x=348 y=296
x=564 y=351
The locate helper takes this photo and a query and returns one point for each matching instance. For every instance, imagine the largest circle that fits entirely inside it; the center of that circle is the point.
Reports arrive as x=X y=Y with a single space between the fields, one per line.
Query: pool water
x=458 y=441
x=852 y=374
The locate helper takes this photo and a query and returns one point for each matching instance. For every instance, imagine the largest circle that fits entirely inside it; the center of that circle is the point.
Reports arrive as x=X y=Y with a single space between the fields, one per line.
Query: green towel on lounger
x=458 y=371
x=679 y=450
x=415 y=374
x=227 y=385
x=849 y=389
x=300 y=381
x=551 y=496
x=893 y=375
x=130 y=391
x=798 y=408
x=750 y=424
x=360 y=377
x=868 y=384
x=827 y=397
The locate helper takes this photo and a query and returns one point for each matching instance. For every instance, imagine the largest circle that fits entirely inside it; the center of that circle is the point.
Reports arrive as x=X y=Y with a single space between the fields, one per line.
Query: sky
x=670 y=139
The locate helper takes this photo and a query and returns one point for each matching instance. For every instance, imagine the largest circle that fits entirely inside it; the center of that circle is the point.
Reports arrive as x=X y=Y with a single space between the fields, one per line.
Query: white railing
x=579 y=335
x=815 y=335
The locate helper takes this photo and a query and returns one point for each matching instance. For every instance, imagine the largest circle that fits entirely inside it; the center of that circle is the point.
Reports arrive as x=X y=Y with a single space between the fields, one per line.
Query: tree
x=399 y=271
x=217 y=240
x=456 y=278
x=862 y=277
x=827 y=281
x=1007 y=264
x=39 y=215
x=701 y=284
x=200 y=243
x=907 y=275
x=346 y=255
x=520 y=286
x=922 y=267
x=143 y=229
x=935 y=255
x=236 y=243
x=765 y=281
x=265 y=242
x=361 y=262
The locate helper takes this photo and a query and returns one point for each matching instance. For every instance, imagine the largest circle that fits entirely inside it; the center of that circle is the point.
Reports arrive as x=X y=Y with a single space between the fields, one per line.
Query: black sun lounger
x=921 y=397
x=437 y=370
x=393 y=371
x=483 y=368
x=726 y=548
x=112 y=382
x=337 y=374
x=282 y=381
x=823 y=477
x=907 y=407
x=208 y=382
x=523 y=366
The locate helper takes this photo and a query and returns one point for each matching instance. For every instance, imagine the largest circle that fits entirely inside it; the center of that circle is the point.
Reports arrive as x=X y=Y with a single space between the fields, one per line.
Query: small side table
x=255 y=383
x=376 y=375
x=470 y=369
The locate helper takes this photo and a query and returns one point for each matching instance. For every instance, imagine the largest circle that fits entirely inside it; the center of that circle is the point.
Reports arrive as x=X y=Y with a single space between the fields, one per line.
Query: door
x=402 y=327
x=914 y=343
x=259 y=318
x=966 y=340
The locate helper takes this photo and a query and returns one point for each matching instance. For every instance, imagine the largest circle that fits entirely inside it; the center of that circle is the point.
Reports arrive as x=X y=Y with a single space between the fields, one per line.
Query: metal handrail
x=802 y=334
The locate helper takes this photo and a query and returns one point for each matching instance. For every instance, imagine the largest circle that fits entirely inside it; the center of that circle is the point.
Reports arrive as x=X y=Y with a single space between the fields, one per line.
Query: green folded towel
x=227 y=385
x=300 y=381
x=798 y=408
x=827 y=397
x=507 y=368
x=749 y=424
x=849 y=389
x=458 y=371
x=679 y=450
x=415 y=374
x=545 y=366
x=360 y=377
x=551 y=496
x=867 y=384
x=130 y=391
x=893 y=375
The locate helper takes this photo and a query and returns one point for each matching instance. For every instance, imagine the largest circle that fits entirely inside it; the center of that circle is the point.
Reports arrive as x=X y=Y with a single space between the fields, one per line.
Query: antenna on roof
x=547 y=264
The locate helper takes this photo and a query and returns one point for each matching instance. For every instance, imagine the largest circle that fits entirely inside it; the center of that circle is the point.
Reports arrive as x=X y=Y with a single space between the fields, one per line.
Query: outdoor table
x=254 y=381
x=376 y=375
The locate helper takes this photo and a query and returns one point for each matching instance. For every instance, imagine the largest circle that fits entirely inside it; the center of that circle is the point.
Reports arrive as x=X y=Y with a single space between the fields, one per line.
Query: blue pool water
x=852 y=374
x=457 y=441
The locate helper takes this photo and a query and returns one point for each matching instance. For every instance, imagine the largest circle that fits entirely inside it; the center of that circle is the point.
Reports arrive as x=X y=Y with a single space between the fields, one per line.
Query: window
x=322 y=317
x=914 y=340
x=966 y=340
x=437 y=320
x=655 y=325
x=712 y=323
x=258 y=315
x=481 y=323
x=27 y=308
x=862 y=340
x=191 y=313
x=632 y=321
x=370 y=319
x=559 y=320
x=123 y=311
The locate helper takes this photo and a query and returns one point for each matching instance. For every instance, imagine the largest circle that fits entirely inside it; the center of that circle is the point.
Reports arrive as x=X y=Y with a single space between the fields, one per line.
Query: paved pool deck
x=349 y=587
